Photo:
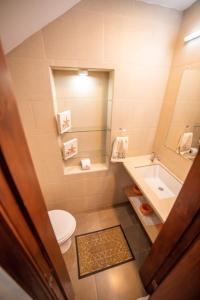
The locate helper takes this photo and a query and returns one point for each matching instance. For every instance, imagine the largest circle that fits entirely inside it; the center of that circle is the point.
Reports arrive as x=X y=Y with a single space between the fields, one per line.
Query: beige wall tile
x=46 y=157
x=76 y=35
x=33 y=47
x=100 y=185
x=44 y=117
x=118 y=44
x=145 y=82
x=55 y=193
x=133 y=39
x=30 y=78
x=119 y=7
x=84 y=112
x=131 y=114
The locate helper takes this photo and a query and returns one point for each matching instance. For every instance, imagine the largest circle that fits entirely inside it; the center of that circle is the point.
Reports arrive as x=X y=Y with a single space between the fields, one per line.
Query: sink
x=158 y=184
x=161 y=182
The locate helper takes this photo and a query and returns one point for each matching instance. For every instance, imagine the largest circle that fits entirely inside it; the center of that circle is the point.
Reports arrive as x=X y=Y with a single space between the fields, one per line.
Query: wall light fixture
x=82 y=72
x=192 y=36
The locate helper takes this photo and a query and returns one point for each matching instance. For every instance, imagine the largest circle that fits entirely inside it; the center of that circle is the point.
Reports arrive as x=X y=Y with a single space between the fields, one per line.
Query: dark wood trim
x=20 y=177
x=28 y=279
x=182 y=247
x=183 y=282
x=178 y=232
x=22 y=231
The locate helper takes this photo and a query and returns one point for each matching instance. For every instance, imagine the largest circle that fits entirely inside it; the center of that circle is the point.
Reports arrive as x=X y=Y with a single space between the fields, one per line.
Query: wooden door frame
x=21 y=196
x=178 y=232
x=183 y=281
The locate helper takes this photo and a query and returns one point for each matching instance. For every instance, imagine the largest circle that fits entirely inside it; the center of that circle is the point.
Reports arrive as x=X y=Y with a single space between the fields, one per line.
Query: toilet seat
x=63 y=224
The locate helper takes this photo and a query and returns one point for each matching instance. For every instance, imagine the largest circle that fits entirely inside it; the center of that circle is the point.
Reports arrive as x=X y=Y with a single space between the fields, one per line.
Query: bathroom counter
x=161 y=207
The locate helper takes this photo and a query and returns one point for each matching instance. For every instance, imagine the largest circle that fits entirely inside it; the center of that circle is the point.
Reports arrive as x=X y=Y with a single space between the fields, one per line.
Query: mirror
x=184 y=131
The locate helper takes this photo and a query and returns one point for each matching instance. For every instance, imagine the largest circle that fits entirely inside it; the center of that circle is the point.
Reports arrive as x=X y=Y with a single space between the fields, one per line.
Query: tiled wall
x=186 y=55
x=134 y=39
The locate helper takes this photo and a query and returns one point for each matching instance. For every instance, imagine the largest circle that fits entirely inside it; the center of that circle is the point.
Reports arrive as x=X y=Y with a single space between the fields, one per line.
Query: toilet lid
x=63 y=224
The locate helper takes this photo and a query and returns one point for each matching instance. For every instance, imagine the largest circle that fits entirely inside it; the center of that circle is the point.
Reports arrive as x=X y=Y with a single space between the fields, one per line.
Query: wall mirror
x=184 y=131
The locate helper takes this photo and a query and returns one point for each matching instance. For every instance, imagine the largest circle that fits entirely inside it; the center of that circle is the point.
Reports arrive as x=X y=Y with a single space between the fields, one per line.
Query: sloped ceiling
x=176 y=4
x=19 y=19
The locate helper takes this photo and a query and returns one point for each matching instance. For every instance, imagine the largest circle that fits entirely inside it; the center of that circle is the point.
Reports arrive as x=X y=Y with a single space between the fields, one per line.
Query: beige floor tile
x=87 y=222
x=71 y=260
x=108 y=218
x=119 y=283
x=137 y=238
x=126 y=215
x=85 y=289
x=140 y=257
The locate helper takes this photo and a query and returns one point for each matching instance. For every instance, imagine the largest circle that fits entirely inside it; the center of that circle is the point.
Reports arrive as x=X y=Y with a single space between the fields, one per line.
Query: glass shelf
x=92 y=154
x=98 y=161
x=86 y=129
x=97 y=167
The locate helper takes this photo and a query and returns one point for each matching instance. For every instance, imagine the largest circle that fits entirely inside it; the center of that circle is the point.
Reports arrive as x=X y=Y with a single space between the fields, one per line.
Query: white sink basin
x=162 y=183
x=159 y=186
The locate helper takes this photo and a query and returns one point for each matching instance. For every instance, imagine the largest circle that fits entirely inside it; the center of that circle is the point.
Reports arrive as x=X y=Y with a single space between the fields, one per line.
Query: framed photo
x=64 y=121
x=70 y=148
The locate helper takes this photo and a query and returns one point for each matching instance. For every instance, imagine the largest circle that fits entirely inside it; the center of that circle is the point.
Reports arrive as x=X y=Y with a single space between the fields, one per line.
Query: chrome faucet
x=153 y=157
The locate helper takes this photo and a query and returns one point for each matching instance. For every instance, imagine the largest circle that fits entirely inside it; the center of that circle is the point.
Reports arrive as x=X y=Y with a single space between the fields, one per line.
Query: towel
x=64 y=121
x=193 y=151
x=120 y=149
x=185 y=143
x=70 y=148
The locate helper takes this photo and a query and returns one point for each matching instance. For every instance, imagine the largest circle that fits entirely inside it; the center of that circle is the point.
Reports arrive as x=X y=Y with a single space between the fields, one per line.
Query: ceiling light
x=192 y=36
x=83 y=72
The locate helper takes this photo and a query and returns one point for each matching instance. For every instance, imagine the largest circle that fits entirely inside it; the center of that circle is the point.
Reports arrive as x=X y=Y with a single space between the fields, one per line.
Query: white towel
x=193 y=151
x=64 y=121
x=70 y=148
x=120 y=149
x=185 y=142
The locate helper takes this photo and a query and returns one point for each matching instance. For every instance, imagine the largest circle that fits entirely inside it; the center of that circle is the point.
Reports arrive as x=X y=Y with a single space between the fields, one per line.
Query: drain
x=161 y=189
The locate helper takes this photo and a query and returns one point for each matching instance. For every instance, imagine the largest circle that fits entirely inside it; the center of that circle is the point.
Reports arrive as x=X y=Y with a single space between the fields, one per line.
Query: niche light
x=83 y=72
x=192 y=36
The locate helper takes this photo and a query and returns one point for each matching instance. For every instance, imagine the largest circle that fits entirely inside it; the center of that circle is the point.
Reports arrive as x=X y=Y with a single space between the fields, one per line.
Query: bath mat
x=101 y=250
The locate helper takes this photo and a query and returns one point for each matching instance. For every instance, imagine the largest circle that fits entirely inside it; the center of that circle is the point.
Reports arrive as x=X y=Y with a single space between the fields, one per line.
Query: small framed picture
x=70 y=148
x=64 y=121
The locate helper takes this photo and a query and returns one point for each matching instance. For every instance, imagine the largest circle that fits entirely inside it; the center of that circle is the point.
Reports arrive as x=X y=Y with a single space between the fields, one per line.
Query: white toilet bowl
x=64 y=225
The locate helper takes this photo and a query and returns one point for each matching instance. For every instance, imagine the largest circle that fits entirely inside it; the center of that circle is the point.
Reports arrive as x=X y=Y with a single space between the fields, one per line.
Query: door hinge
x=154 y=284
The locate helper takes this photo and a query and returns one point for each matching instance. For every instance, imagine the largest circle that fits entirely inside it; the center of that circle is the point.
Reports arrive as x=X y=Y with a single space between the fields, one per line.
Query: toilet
x=64 y=225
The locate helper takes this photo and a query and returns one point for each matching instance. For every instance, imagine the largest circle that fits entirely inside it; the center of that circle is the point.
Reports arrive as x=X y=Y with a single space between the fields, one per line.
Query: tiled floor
x=118 y=283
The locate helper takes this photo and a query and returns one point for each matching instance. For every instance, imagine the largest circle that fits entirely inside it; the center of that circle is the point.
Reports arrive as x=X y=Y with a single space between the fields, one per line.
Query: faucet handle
x=153 y=155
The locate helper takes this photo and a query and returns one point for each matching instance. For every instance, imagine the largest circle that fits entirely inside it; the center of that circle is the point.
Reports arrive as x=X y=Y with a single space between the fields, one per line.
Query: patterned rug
x=101 y=250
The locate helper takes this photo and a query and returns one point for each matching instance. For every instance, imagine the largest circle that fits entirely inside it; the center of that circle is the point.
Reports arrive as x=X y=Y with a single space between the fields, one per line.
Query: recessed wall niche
x=88 y=95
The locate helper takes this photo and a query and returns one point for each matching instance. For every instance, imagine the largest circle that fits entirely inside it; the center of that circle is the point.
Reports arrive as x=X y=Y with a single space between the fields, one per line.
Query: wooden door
x=179 y=231
x=29 y=250
x=183 y=282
